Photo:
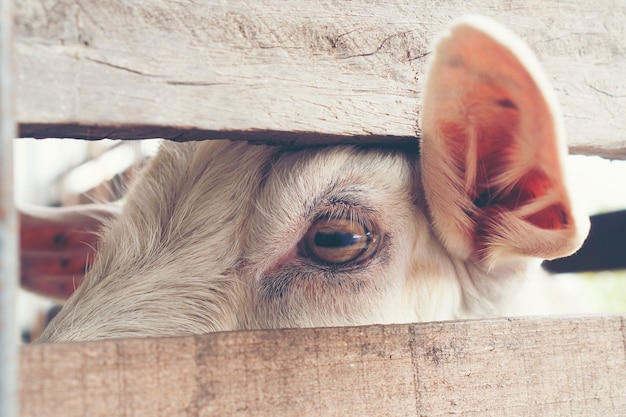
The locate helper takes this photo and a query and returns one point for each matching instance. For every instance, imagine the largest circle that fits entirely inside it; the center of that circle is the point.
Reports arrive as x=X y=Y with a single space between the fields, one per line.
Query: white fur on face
x=204 y=244
x=211 y=237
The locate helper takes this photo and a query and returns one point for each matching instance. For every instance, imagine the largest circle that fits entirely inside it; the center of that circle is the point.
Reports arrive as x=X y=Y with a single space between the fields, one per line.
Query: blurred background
x=65 y=172
x=62 y=172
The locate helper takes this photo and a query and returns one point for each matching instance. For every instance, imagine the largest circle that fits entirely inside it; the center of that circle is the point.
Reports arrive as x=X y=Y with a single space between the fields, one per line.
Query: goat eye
x=339 y=241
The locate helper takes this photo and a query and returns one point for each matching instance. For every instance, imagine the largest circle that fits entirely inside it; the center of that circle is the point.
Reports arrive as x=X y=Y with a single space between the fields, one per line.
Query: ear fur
x=493 y=149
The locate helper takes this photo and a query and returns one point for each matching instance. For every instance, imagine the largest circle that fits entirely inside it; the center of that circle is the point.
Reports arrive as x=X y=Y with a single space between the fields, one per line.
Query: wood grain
x=496 y=367
x=291 y=71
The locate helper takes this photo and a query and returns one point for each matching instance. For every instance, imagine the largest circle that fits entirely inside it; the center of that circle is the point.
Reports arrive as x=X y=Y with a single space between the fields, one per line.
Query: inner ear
x=493 y=149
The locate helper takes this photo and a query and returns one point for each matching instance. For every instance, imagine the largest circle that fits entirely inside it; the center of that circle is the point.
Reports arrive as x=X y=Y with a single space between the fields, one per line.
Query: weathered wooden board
x=8 y=221
x=498 y=367
x=291 y=71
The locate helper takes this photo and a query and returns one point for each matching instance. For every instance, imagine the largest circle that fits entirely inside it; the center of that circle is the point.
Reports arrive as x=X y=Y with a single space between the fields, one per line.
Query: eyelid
x=345 y=208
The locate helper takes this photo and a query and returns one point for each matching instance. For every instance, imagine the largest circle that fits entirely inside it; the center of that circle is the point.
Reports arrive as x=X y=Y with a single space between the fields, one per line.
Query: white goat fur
x=208 y=238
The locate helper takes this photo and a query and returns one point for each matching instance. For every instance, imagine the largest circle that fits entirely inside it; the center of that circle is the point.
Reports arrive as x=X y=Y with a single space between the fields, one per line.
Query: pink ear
x=493 y=149
x=57 y=245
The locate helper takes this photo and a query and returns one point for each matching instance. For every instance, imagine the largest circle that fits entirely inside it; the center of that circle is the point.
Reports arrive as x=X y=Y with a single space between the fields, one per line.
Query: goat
x=221 y=235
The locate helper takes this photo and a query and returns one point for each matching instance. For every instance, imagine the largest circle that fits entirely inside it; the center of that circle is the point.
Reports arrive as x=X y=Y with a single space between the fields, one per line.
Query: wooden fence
x=309 y=72
x=500 y=367
x=288 y=70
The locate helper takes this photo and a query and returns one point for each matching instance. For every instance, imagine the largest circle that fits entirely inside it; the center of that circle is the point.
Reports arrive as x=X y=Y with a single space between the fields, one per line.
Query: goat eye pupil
x=339 y=241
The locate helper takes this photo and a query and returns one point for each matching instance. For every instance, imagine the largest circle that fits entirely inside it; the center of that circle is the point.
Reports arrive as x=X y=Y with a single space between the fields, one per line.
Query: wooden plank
x=291 y=71
x=8 y=221
x=497 y=367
